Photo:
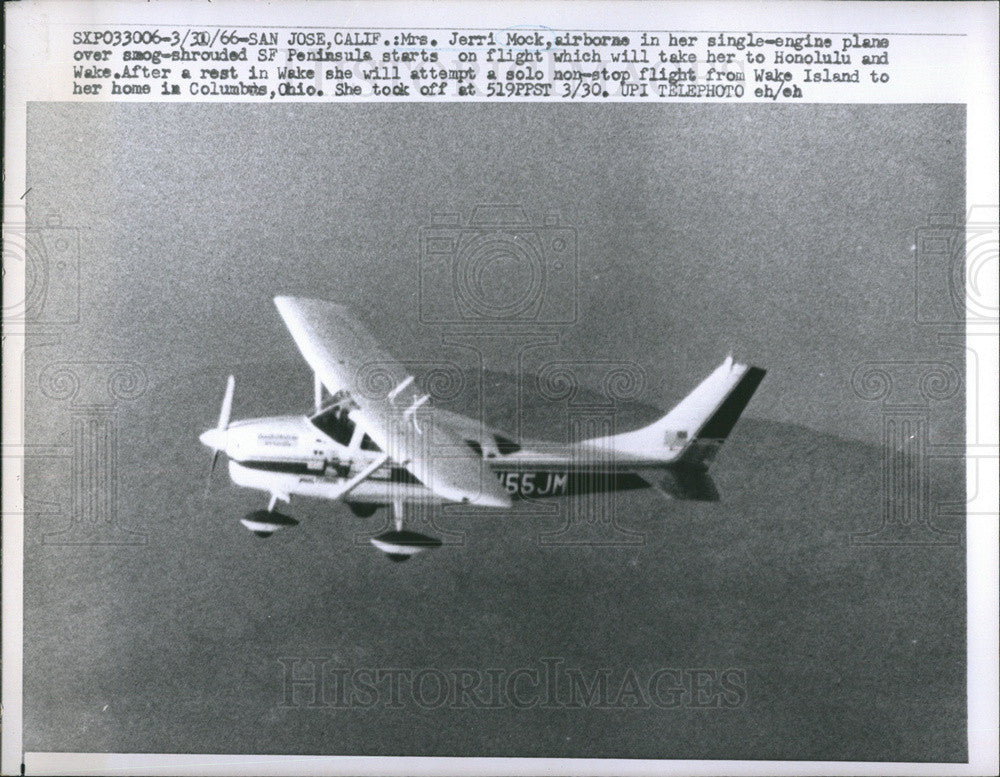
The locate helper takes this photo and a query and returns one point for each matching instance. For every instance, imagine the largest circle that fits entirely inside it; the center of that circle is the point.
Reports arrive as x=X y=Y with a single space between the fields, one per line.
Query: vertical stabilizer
x=694 y=430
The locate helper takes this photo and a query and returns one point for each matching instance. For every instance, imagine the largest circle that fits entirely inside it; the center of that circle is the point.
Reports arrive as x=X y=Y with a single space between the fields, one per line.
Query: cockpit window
x=336 y=423
x=368 y=444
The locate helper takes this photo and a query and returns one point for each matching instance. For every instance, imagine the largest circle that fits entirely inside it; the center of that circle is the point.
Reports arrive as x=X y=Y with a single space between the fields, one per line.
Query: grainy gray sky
x=782 y=234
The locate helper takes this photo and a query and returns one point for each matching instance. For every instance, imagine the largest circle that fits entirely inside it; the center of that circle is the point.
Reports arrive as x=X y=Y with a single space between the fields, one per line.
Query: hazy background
x=782 y=234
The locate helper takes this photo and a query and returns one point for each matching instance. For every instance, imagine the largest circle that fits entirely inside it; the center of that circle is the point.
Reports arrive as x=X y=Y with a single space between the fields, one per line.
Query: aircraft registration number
x=534 y=484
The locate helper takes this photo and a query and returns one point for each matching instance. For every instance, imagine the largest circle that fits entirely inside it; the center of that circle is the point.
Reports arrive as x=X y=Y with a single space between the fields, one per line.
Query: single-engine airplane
x=375 y=448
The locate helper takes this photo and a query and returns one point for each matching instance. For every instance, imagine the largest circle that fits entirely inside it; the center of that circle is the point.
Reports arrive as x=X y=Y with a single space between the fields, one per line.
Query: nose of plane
x=214 y=439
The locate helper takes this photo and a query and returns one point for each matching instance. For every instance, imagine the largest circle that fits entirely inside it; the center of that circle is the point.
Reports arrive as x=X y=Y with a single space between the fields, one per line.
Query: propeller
x=215 y=438
x=227 y=404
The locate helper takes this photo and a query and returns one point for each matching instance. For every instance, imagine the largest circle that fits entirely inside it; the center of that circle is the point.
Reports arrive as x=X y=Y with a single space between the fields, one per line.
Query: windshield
x=335 y=422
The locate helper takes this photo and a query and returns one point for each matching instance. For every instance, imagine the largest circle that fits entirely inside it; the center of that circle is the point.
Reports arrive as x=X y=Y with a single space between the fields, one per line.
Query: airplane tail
x=688 y=437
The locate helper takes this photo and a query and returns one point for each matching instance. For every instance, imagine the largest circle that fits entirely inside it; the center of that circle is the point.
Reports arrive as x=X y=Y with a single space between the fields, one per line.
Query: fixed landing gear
x=399 y=544
x=363 y=509
x=264 y=523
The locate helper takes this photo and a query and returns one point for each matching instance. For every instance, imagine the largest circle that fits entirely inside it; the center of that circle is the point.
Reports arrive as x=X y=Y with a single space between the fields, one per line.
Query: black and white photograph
x=521 y=429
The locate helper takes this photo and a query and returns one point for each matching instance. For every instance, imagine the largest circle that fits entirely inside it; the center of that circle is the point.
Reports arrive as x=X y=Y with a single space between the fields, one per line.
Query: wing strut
x=397 y=513
x=354 y=482
x=317 y=392
x=409 y=412
x=395 y=392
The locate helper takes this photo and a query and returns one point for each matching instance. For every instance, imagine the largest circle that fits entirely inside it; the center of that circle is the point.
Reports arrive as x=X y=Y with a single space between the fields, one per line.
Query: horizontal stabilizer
x=688 y=483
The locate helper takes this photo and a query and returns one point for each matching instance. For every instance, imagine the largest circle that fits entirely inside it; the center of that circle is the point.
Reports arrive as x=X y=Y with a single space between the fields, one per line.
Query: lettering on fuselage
x=544 y=483
x=531 y=485
x=284 y=440
x=520 y=484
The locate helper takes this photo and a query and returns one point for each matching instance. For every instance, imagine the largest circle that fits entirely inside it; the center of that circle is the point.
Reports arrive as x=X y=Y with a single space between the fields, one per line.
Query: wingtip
x=492 y=496
x=286 y=302
x=495 y=500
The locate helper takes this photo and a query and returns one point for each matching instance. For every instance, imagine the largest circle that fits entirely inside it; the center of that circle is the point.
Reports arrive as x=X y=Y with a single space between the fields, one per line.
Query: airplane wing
x=392 y=409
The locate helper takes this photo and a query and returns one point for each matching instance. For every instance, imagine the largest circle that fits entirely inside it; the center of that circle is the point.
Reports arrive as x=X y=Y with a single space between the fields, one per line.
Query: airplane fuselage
x=290 y=456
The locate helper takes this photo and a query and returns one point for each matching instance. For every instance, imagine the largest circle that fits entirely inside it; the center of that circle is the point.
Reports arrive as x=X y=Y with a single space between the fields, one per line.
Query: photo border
x=972 y=81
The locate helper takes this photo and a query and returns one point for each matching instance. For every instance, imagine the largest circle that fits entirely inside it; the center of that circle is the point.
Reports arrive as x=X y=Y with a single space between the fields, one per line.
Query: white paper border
x=975 y=83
